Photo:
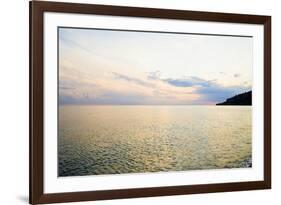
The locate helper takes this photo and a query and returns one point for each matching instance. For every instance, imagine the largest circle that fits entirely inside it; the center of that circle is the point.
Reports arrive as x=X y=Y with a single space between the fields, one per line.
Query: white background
x=14 y=101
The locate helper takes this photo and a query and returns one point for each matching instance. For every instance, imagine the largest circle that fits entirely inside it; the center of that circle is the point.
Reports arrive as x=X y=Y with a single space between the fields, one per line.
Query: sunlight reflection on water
x=136 y=139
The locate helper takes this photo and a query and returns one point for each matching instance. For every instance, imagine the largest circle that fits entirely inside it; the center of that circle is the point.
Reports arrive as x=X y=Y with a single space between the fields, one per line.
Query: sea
x=121 y=139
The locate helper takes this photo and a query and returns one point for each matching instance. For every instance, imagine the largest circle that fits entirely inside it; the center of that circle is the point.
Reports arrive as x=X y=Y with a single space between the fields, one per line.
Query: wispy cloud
x=236 y=75
x=209 y=90
x=72 y=43
x=154 y=75
x=189 y=82
x=65 y=88
x=150 y=90
x=131 y=79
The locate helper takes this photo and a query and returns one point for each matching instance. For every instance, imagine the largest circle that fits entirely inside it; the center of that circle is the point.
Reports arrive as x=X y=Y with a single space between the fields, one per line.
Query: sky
x=107 y=67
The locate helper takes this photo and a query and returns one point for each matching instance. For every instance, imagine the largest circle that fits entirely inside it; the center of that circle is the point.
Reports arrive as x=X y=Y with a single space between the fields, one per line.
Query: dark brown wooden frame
x=37 y=8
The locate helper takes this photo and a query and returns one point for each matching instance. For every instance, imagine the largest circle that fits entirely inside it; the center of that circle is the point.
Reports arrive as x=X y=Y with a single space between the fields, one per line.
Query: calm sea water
x=136 y=139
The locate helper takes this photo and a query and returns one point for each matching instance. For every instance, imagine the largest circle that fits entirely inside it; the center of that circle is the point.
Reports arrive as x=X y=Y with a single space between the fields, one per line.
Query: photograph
x=148 y=101
x=130 y=101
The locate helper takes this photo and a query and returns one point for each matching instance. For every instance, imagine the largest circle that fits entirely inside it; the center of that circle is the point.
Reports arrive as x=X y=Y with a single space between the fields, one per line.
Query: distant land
x=240 y=99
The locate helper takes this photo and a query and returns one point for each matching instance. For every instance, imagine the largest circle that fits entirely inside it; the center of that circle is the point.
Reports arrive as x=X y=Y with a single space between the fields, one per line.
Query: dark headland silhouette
x=240 y=99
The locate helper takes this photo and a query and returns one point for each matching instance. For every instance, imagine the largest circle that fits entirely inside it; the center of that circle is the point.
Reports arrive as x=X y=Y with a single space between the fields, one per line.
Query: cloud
x=65 y=100
x=66 y=85
x=154 y=75
x=65 y=88
x=189 y=82
x=209 y=90
x=118 y=98
x=72 y=43
x=220 y=93
x=131 y=79
x=236 y=75
x=148 y=90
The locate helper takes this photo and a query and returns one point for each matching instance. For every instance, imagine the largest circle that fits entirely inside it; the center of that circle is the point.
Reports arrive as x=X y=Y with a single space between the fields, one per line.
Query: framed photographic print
x=139 y=102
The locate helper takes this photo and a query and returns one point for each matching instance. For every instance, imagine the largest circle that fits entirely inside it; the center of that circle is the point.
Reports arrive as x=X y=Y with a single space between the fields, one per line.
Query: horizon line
x=135 y=104
x=143 y=105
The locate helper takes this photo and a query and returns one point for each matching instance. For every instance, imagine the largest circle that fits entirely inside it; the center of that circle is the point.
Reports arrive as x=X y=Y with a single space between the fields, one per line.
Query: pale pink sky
x=121 y=67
